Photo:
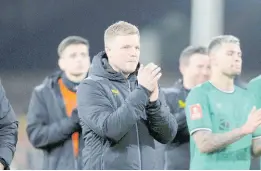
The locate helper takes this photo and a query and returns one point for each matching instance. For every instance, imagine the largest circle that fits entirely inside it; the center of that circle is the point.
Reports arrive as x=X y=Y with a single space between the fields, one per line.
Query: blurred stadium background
x=31 y=31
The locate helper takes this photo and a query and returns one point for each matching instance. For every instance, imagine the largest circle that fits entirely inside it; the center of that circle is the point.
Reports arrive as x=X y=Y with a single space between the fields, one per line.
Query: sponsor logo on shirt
x=224 y=125
x=195 y=112
x=115 y=91
x=182 y=104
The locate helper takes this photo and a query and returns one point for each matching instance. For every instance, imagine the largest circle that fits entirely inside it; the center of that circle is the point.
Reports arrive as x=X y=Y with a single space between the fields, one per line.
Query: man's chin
x=234 y=75
x=78 y=74
x=128 y=71
x=238 y=73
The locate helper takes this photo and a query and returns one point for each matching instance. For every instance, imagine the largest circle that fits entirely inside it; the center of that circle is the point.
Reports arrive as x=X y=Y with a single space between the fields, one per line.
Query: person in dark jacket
x=8 y=131
x=53 y=122
x=194 y=67
x=121 y=107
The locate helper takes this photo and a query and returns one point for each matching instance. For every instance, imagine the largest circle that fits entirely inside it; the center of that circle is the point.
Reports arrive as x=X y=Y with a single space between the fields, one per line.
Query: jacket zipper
x=57 y=94
x=137 y=131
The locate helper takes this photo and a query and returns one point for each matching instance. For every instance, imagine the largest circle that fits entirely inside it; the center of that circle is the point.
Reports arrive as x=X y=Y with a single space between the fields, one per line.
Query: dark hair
x=70 y=41
x=192 y=50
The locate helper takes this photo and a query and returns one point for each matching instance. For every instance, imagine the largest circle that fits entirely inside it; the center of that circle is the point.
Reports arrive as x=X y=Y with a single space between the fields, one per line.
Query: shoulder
x=201 y=89
x=244 y=93
x=256 y=79
x=199 y=94
x=40 y=89
x=93 y=86
x=255 y=82
x=90 y=82
x=94 y=80
x=48 y=82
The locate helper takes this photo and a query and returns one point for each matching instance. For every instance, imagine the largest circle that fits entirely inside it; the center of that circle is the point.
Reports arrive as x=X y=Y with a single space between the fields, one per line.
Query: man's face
x=197 y=68
x=227 y=58
x=75 y=59
x=124 y=53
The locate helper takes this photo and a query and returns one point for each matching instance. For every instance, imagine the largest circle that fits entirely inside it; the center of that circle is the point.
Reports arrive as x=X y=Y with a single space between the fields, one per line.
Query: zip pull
x=129 y=85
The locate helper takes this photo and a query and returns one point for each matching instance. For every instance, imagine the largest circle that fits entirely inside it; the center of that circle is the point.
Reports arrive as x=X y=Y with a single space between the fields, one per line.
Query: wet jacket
x=50 y=129
x=119 y=124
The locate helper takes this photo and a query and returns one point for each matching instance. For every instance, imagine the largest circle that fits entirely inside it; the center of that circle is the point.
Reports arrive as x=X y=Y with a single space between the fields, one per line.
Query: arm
x=9 y=130
x=200 y=124
x=96 y=110
x=207 y=142
x=43 y=134
x=161 y=123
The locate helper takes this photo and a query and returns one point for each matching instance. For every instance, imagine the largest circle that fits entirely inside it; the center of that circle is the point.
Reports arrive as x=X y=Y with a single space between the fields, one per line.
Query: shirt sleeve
x=197 y=111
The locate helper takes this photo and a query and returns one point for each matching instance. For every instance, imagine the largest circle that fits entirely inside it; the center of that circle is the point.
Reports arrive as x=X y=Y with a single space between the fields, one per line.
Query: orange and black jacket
x=53 y=125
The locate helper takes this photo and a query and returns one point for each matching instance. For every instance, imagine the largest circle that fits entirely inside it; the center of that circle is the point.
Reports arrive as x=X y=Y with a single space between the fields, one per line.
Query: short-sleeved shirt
x=254 y=87
x=208 y=108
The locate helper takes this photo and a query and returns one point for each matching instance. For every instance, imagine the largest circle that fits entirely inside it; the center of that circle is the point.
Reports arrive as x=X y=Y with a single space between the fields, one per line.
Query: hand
x=254 y=120
x=76 y=120
x=75 y=116
x=2 y=167
x=148 y=76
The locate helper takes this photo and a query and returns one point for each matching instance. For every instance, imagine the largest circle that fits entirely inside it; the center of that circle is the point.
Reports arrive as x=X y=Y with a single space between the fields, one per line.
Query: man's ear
x=61 y=63
x=108 y=44
x=182 y=68
x=107 y=49
x=213 y=60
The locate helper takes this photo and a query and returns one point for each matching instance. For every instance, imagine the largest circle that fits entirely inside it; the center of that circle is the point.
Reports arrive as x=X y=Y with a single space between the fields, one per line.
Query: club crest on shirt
x=195 y=112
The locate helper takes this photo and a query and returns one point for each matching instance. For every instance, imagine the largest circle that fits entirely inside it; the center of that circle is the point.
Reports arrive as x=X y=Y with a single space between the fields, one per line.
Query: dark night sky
x=31 y=30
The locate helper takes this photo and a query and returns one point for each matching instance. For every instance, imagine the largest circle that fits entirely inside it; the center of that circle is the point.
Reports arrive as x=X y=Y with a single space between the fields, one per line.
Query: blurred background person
x=52 y=120
x=194 y=68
